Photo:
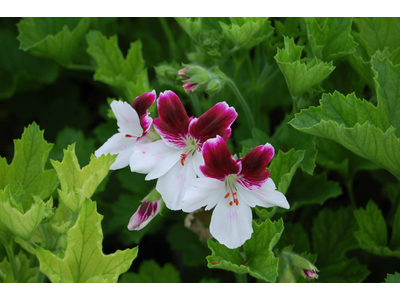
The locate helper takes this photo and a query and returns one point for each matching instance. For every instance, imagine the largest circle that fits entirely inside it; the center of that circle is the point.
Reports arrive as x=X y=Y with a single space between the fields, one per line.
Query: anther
x=129 y=136
x=227 y=195
x=183 y=157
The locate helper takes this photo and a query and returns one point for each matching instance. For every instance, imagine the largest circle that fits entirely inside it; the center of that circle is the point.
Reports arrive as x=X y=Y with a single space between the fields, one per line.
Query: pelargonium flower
x=133 y=124
x=176 y=158
x=233 y=187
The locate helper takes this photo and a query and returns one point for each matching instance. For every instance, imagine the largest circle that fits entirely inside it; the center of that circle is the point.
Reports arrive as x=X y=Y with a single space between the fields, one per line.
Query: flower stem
x=196 y=104
x=87 y=68
x=243 y=102
x=349 y=187
x=170 y=37
x=241 y=278
x=11 y=258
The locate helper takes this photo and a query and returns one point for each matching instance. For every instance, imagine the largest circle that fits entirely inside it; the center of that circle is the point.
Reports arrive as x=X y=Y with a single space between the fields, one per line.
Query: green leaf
x=372 y=234
x=258 y=259
x=127 y=75
x=188 y=244
x=27 y=273
x=333 y=40
x=332 y=235
x=56 y=38
x=16 y=66
x=339 y=118
x=192 y=27
x=151 y=272
x=299 y=75
x=295 y=235
x=21 y=222
x=395 y=278
x=27 y=168
x=250 y=31
x=68 y=136
x=308 y=190
x=77 y=184
x=377 y=33
x=84 y=260
x=283 y=167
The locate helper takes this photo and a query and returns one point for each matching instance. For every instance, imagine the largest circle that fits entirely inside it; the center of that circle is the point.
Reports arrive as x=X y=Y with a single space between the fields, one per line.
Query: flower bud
x=304 y=267
x=213 y=86
x=167 y=73
x=190 y=71
x=145 y=213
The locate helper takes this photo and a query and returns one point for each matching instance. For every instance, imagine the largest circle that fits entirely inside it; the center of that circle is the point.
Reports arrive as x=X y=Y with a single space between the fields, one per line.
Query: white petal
x=203 y=192
x=231 y=224
x=198 y=160
x=118 y=144
x=155 y=159
x=127 y=118
x=266 y=196
x=173 y=185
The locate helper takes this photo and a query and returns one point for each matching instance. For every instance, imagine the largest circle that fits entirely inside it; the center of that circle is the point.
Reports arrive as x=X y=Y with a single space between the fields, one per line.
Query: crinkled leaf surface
x=27 y=167
x=76 y=183
x=127 y=75
x=333 y=40
x=84 y=260
x=358 y=125
x=258 y=260
x=56 y=38
x=372 y=234
x=151 y=272
x=299 y=75
x=332 y=235
x=283 y=168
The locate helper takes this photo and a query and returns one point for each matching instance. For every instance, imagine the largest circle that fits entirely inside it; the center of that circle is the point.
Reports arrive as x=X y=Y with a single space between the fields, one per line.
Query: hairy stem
x=11 y=258
x=170 y=37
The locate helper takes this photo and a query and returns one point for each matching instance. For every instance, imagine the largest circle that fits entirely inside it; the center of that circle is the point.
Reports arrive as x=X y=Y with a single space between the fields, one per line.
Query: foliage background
x=331 y=186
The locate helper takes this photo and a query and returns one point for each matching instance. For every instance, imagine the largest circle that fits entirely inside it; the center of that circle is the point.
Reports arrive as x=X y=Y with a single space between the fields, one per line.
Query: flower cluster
x=192 y=164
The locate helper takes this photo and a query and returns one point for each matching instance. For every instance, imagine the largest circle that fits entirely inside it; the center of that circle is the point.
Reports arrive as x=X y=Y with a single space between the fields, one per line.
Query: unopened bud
x=213 y=86
x=304 y=267
x=145 y=213
x=167 y=73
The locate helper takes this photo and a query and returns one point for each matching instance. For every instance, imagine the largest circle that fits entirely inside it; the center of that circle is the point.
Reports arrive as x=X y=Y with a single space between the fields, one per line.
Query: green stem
x=249 y=116
x=196 y=105
x=87 y=68
x=393 y=209
x=241 y=278
x=40 y=277
x=11 y=258
x=170 y=37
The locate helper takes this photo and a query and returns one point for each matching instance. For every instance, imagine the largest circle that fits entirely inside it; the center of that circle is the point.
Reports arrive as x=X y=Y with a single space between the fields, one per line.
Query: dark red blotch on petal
x=218 y=160
x=254 y=164
x=141 y=104
x=216 y=121
x=173 y=121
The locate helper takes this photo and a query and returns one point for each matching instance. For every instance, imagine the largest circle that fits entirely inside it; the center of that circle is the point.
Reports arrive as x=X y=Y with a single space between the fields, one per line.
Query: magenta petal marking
x=189 y=86
x=254 y=163
x=145 y=211
x=219 y=161
x=173 y=121
x=216 y=121
x=141 y=104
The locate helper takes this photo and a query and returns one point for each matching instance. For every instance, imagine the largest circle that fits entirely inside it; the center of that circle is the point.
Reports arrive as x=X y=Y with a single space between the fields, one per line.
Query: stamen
x=183 y=157
x=227 y=195
x=129 y=136
x=230 y=203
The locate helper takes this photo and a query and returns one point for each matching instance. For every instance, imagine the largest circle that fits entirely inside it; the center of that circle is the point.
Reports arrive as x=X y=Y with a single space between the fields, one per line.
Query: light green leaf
x=21 y=222
x=56 y=38
x=127 y=75
x=250 y=31
x=308 y=190
x=299 y=75
x=77 y=184
x=151 y=272
x=27 y=273
x=192 y=26
x=258 y=259
x=332 y=40
x=84 y=260
x=393 y=278
x=283 y=167
x=372 y=234
x=27 y=168
x=339 y=118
